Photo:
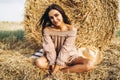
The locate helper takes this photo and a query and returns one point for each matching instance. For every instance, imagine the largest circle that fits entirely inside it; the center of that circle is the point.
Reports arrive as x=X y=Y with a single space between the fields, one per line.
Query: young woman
x=59 y=44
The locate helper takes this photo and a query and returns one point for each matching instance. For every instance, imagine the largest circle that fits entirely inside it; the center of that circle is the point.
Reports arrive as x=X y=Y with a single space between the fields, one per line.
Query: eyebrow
x=54 y=14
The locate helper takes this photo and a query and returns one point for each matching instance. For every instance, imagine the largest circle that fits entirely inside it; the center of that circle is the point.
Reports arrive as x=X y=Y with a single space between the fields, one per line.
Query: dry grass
x=5 y=26
x=15 y=64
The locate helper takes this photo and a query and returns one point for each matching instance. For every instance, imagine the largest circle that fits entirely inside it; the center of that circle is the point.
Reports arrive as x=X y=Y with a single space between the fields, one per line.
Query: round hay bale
x=96 y=20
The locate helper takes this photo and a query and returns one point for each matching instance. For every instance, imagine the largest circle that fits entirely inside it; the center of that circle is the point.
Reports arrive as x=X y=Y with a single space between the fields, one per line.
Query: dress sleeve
x=49 y=48
x=67 y=50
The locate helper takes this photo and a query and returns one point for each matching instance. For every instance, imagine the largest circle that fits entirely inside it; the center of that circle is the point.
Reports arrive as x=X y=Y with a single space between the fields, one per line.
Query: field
x=15 y=63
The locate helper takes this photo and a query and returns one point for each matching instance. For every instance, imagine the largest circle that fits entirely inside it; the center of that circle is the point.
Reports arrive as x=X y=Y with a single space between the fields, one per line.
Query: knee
x=89 y=65
x=41 y=62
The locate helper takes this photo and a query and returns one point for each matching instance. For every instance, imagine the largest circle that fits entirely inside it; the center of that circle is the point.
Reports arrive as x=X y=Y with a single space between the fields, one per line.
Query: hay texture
x=16 y=65
x=96 y=20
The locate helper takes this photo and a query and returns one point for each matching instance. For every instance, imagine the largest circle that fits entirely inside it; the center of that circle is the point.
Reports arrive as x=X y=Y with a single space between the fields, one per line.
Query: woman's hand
x=51 y=69
x=56 y=69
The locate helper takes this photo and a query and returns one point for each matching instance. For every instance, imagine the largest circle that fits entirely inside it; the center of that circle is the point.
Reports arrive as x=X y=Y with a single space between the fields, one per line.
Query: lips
x=56 y=23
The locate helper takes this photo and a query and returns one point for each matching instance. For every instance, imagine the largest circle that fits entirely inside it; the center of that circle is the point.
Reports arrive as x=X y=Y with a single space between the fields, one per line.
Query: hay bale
x=96 y=20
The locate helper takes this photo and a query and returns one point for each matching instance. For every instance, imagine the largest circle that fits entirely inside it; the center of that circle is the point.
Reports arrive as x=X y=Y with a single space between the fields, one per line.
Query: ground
x=15 y=63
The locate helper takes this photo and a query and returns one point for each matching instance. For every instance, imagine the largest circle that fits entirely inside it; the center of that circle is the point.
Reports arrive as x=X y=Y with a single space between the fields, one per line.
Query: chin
x=57 y=24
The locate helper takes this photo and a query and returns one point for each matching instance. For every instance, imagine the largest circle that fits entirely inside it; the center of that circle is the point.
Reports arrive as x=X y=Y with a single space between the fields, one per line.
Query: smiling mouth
x=56 y=22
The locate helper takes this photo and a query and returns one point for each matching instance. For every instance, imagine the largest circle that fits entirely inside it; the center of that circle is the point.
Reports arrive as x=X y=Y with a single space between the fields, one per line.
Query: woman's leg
x=42 y=62
x=79 y=65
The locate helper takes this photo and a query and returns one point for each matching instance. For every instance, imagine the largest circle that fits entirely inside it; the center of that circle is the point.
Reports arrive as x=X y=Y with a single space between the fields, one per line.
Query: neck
x=62 y=27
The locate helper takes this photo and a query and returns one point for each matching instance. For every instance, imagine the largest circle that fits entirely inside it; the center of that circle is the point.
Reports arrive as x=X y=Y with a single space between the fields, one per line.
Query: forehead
x=53 y=12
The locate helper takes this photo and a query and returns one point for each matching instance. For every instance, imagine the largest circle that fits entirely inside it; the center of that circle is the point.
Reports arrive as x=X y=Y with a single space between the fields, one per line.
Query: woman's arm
x=49 y=48
x=56 y=69
x=64 y=53
x=67 y=49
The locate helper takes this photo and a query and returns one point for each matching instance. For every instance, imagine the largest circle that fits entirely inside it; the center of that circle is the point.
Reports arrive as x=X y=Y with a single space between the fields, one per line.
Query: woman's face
x=55 y=17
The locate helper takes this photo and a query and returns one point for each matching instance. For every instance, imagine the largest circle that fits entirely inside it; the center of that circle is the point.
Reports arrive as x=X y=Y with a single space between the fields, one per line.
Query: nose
x=54 y=19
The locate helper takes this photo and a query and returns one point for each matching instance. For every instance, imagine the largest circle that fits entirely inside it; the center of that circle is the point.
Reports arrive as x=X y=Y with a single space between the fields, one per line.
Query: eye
x=51 y=17
x=56 y=15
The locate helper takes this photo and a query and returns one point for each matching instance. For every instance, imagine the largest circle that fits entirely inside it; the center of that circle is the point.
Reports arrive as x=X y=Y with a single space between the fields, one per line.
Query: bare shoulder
x=71 y=27
x=47 y=28
x=51 y=28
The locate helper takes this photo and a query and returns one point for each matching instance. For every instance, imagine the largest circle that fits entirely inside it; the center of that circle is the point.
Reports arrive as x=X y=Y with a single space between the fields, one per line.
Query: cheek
x=51 y=20
x=61 y=18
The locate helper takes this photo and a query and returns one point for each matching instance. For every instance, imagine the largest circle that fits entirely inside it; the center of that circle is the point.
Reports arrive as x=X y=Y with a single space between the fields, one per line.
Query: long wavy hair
x=45 y=21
